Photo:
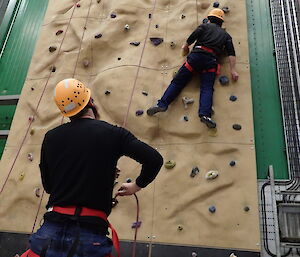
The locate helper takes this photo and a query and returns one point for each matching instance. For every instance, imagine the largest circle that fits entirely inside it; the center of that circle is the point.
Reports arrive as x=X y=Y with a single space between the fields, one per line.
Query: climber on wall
x=211 y=40
x=78 y=166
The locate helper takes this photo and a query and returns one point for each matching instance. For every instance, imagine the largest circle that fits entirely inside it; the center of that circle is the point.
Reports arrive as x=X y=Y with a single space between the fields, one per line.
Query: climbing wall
x=106 y=44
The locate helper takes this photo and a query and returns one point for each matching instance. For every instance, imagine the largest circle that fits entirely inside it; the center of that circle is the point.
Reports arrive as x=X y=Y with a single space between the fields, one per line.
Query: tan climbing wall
x=174 y=199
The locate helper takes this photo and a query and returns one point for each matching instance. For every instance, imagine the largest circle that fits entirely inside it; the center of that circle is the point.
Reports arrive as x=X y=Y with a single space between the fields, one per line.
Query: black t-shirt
x=78 y=163
x=212 y=36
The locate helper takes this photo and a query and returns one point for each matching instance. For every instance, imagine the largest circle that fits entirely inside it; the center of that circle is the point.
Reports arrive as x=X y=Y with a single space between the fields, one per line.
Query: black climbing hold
x=216 y=4
x=139 y=112
x=186 y=118
x=172 y=45
x=135 y=43
x=53 y=69
x=156 y=40
x=246 y=208
x=52 y=49
x=232 y=163
x=119 y=58
x=98 y=35
x=205 y=20
x=182 y=16
x=157 y=26
x=225 y=9
x=224 y=80
x=107 y=92
x=150 y=15
x=145 y=93
x=237 y=126
x=136 y=224
x=113 y=15
x=194 y=172
x=212 y=209
x=128 y=180
x=59 y=32
x=233 y=98
x=32 y=89
x=78 y=5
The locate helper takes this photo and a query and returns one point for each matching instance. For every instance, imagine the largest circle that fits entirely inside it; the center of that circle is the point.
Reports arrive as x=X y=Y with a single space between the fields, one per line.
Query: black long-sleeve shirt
x=212 y=36
x=79 y=158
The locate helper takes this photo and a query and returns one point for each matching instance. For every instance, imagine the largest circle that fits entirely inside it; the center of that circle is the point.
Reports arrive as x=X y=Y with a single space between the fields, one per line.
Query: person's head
x=73 y=99
x=216 y=16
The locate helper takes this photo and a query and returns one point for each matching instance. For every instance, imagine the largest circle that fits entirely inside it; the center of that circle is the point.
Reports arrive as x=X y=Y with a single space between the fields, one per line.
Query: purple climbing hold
x=224 y=80
x=156 y=40
x=98 y=35
x=135 y=43
x=233 y=98
x=113 y=15
x=139 y=112
x=59 y=32
x=205 y=20
x=216 y=4
x=136 y=224
x=237 y=126
x=212 y=209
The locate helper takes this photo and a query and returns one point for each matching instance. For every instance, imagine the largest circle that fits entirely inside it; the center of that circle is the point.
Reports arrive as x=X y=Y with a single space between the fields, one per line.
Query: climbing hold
x=194 y=254
x=145 y=93
x=135 y=43
x=224 y=80
x=225 y=9
x=98 y=35
x=136 y=224
x=139 y=112
x=172 y=45
x=233 y=98
x=31 y=118
x=170 y=164
x=52 y=49
x=30 y=157
x=119 y=58
x=150 y=15
x=185 y=118
x=98 y=1
x=114 y=202
x=205 y=20
x=84 y=27
x=182 y=16
x=194 y=172
x=246 y=208
x=86 y=63
x=113 y=15
x=21 y=176
x=232 y=163
x=179 y=227
x=212 y=209
x=37 y=192
x=157 y=26
x=232 y=255
x=237 y=126
x=126 y=27
x=107 y=92
x=128 y=180
x=186 y=100
x=204 y=5
x=216 y=4
x=156 y=40
x=31 y=132
x=212 y=174
x=175 y=73
x=78 y=5
x=32 y=88
x=59 y=32
x=53 y=68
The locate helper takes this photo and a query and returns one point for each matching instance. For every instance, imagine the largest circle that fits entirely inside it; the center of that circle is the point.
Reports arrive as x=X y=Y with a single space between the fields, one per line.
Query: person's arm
x=44 y=169
x=150 y=159
x=232 y=59
x=191 y=39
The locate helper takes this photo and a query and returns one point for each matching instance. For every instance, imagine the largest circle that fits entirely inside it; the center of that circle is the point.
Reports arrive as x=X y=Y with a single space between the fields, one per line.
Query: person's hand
x=128 y=189
x=234 y=75
x=185 y=50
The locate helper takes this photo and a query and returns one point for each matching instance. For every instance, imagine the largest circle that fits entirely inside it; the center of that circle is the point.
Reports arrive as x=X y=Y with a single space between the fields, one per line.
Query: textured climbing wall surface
x=175 y=208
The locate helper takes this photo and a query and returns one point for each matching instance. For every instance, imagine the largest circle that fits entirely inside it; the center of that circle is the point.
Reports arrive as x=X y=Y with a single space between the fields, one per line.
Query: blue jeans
x=199 y=62
x=58 y=237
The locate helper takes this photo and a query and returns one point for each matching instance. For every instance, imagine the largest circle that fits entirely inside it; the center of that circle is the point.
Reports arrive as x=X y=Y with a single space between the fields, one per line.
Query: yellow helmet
x=217 y=13
x=71 y=96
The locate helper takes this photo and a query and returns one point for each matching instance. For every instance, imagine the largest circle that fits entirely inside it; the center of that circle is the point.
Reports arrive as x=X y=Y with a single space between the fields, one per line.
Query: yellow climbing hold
x=170 y=164
x=21 y=176
x=213 y=132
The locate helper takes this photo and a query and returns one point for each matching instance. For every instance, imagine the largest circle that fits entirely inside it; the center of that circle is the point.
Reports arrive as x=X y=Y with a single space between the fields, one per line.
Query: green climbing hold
x=170 y=164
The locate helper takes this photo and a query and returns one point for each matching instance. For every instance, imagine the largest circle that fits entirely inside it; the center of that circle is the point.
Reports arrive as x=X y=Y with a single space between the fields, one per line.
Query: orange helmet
x=71 y=96
x=217 y=13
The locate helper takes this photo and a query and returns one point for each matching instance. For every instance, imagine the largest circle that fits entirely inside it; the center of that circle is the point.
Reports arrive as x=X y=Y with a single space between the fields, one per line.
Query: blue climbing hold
x=156 y=40
x=216 y=4
x=113 y=15
x=233 y=98
x=212 y=209
x=224 y=80
x=139 y=112
x=232 y=163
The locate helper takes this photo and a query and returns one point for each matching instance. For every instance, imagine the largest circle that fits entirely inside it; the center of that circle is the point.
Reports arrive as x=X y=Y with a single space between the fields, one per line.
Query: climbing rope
x=136 y=227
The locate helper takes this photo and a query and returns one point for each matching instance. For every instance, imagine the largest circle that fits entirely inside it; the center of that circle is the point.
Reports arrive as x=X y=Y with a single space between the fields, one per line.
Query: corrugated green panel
x=269 y=135
x=2 y=144
x=18 y=52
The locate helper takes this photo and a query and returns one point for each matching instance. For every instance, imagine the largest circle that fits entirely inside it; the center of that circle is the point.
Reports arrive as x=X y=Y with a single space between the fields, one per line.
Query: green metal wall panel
x=268 y=126
x=18 y=52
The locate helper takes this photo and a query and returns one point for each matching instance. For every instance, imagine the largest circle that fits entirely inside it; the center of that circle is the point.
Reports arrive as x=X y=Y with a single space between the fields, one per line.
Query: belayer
x=78 y=169
x=211 y=41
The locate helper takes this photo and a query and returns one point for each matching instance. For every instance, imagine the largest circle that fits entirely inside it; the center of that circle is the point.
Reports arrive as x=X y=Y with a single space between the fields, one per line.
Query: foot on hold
x=155 y=109
x=208 y=121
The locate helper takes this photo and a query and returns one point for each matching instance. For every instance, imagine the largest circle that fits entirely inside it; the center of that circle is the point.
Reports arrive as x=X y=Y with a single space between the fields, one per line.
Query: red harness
x=70 y=210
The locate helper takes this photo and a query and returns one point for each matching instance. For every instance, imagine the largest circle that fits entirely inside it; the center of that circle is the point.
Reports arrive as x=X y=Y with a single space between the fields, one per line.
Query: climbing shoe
x=155 y=109
x=208 y=121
